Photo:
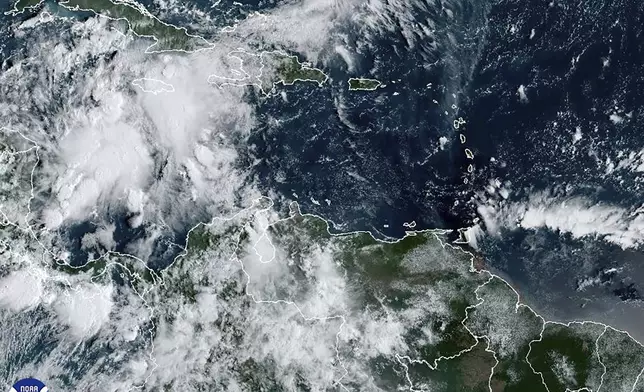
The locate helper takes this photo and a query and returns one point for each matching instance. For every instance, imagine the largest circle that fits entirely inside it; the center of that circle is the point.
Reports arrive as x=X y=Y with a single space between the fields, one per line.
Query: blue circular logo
x=29 y=385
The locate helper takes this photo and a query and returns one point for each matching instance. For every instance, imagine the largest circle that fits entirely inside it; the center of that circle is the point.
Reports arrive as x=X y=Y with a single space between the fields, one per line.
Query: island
x=168 y=37
x=288 y=70
x=153 y=86
x=281 y=68
x=363 y=84
x=266 y=70
x=23 y=5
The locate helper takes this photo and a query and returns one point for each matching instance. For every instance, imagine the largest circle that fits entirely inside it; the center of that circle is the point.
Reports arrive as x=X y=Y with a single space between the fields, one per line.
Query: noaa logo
x=29 y=385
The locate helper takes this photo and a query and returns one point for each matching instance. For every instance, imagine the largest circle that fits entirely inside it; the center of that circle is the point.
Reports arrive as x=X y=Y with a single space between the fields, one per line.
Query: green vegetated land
x=289 y=70
x=622 y=359
x=510 y=331
x=394 y=278
x=168 y=37
x=22 y=5
x=565 y=355
x=268 y=69
x=363 y=84
x=95 y=267
x=15 y=183
x=469 y=371
x=464 y=320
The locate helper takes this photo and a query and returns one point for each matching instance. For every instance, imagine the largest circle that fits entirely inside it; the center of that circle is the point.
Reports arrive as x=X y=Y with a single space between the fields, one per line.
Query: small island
x=363 y=84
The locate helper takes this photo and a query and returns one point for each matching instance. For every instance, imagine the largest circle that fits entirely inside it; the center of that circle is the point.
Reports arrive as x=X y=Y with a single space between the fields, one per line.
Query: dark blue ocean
x=526 y=76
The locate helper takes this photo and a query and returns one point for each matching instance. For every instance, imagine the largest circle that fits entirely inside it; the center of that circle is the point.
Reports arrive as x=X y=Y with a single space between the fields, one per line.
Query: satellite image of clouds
x=322 y=196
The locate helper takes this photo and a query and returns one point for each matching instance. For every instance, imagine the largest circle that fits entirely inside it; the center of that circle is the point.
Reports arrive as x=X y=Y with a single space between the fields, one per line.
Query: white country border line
x=568 y=324
x=233 y=257
x=156 y=278
x=233 y=27
x=256 y=80
x=637 y=379
x=238 y=82
x=164 y=88
x=289 y=302
x=140 y=8
x=379 y=83
x=57 y=259
x=148 y=50
x=302 y=64
x=478 y=338
x=15 y=11
x=35 y=147
x=294 y=211
x=435 y=232
x=599 y=358
x=517 y=306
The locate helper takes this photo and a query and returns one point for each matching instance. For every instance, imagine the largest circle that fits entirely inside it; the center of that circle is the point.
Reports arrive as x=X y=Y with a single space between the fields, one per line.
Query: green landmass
x=289 y=70
x=215 y=240
x=639 y=386
x=95 y=267
x=454 y=336
x=168 y=37
x=397 y=270
x=22 y=5
x=466 y=333
x=566 y=357
x=377 y=260
x=15 y=183
x=258 y=376
x=270 y=68
x=200 y=239
x=140 y=274
x=510 y=331
x=515 y=375
x=469 y=372
x=363 y=84
x=623 y=358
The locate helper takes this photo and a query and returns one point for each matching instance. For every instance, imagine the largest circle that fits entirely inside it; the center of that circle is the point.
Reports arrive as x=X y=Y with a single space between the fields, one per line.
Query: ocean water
x=552 y=95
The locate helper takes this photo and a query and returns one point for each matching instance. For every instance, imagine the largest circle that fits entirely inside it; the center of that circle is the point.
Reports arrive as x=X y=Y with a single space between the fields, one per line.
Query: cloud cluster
x=168 y=158
x=113 y=140
x=578 y=216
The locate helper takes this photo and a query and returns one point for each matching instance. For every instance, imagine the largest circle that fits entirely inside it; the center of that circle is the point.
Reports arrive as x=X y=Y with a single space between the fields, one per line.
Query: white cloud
x=616 y=118
x=85 y=308
x=103 y=236
x=168 y=157
x=523 y=97
x=578 y=216
x=18 y=157
x=153 y=86
x=165 y=157
x=102 y=157
x=21 y=289
x=303 y=26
